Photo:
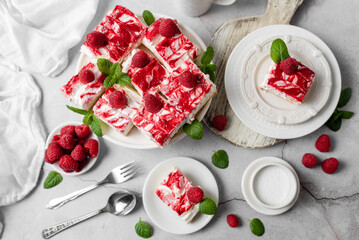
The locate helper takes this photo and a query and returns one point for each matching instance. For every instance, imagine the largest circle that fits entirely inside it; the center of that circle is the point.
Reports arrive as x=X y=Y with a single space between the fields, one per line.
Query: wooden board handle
x=282 y=9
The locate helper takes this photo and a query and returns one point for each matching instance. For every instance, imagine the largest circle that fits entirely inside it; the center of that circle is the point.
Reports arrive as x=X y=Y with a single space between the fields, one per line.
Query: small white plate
x=55 y=166
x=247 y=185
x=135 y=139
x=163 y=216
x=322 y=106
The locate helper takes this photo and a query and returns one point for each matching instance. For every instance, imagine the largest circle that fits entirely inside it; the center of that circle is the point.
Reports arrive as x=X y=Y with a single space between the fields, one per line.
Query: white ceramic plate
x=135 y=139
x=55 y=166
x=248 y=177
x=320 y=108
x=163 y=216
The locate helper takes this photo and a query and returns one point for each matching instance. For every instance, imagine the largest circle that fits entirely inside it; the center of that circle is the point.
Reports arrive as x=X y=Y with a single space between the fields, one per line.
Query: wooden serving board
x=223 y=41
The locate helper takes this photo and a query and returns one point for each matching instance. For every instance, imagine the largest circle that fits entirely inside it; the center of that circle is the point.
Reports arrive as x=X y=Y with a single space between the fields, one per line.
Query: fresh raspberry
x=67 y=141
x=140 y=59
x=53 y=152
x=81 y=142
x=82 y=164
x=289 y=66
x=188 y=79
x=118 y=100
x=323 y=143
x=67 y=164
x=91 y=147
x=168 y=28
x=195 y=195
x=152 y=103
x=86 y=76
x=56 y=138
x=96 y=39
x=219 y=122
x=232 y=220
x=46 y=159
x=309 y=160
x=78 y=154
x=330 y=165
x=82 y=131
x=70 y=129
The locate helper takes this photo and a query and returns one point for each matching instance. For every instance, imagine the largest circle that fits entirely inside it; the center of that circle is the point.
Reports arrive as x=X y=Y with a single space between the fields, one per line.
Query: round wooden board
x=223 y=41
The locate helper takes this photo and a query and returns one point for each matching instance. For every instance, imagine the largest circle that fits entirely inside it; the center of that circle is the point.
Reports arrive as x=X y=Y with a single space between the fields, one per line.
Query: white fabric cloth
x=35 y=35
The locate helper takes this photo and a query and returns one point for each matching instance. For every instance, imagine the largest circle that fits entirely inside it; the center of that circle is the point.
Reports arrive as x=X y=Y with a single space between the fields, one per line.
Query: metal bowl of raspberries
x=72 y=148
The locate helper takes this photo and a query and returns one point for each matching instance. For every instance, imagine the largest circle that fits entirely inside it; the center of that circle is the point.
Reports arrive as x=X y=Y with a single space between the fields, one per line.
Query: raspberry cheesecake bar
x=188 y=89
x=291 y=86
x=86 y=87
x=158 y=119
x=168 y=44
x=173 y=192
x=145 y=71
x=116 y=107
x=115 y=36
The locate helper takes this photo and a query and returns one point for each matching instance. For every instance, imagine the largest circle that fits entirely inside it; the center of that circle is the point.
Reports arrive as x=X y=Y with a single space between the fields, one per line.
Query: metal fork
x=117 y=175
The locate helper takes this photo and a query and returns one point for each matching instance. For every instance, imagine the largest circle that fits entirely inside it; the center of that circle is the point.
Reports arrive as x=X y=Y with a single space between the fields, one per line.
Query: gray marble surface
x=328 y=205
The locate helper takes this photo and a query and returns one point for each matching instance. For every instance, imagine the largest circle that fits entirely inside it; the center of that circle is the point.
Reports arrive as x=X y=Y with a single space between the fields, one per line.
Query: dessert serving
x=156 y=86
x=173 y=191
x=287 y=77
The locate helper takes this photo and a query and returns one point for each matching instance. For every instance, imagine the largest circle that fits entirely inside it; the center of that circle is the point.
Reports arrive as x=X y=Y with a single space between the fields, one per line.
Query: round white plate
x=248 y=177
x=271 y=107
x=55 y=166
x=248 y=113
x=135 y=139
x=162 y=215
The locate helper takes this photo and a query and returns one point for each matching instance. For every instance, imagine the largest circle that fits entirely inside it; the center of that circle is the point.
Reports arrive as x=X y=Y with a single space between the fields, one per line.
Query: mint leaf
x=208 y=206
x=148 y=17
x=53 y=179
x=203 y=68
x=212 y=76
x=96 y=127
x=347 y=114
x=194 y=130
x=143 y=229
x=207 y=56
x=88 y=119
x=115 y=69
x=279 y=51
x=345 y=96
x=109 y=82
x=334 y=123
x=212 y=67
x=122 y=79
x=104 y=65
x=220 y=159
x=257 y=227
x=77 y=110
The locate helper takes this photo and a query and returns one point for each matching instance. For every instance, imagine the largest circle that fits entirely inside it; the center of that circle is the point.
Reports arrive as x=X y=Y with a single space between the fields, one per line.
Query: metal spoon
x=119 y=203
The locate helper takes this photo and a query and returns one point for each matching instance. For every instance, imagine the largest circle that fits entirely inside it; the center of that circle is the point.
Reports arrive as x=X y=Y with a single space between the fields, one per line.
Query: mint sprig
x=89 y=119
x=113 y=73
x=194 y=130
x=148 y=17
x=143 y=229
x=206 y=66
x=53 y=179
x=220 y=159
x=208 y=206
x=279 y=51
x=257 y=227
x=335 y=121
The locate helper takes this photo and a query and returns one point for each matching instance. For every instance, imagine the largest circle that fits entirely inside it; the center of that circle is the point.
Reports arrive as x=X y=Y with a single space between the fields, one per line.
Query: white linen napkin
x=35 y=35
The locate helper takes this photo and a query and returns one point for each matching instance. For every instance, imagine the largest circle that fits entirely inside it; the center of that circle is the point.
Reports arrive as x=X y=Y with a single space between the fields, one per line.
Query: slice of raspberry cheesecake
x=158 y=119
x=115 y=36
x=188 y=89
x=173 y=192
x=116 y=107
x=86 y=87
x=145 y=71
x=290 y=83
x=165 y=40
